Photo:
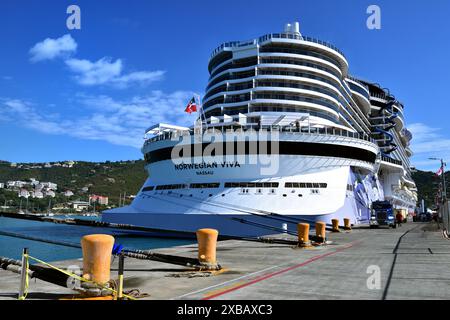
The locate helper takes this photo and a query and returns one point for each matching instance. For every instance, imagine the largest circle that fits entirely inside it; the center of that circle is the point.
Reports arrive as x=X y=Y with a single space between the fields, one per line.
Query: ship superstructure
x=284 y=135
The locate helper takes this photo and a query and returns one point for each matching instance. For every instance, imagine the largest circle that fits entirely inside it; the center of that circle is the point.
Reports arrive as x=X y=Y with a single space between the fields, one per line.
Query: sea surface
x=12 y=247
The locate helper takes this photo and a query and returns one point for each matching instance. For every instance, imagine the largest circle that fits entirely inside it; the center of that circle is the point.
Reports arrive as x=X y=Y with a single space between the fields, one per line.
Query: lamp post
x=444 y=186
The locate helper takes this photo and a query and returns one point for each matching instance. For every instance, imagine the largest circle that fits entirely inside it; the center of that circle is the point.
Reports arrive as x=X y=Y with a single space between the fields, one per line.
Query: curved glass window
x=284 y=49
x=358 y=89
x=232 y=76
x=299 y=62
x=218 y=59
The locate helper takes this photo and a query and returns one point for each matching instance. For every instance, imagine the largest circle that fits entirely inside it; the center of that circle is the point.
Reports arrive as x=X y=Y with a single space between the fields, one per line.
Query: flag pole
x=202 y=113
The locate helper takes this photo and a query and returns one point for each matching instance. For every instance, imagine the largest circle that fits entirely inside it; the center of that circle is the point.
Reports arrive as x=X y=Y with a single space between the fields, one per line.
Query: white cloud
x=50 y=49
x=91 y=73
x=107 y=71
x=99 y=72
x=428 y=142
x=117 y=122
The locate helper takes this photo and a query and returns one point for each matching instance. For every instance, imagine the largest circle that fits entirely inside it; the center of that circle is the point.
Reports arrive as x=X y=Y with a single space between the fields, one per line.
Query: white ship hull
x=325 y=188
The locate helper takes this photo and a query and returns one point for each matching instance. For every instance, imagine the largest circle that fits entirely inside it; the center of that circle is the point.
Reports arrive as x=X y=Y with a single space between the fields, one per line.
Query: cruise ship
x=284 y=134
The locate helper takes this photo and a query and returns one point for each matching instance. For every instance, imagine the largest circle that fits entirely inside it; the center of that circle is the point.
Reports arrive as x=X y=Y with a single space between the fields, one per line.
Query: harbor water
x=12 y=247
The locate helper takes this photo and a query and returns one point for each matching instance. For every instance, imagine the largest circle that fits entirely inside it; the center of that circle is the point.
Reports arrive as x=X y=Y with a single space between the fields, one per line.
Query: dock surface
x=412 y=262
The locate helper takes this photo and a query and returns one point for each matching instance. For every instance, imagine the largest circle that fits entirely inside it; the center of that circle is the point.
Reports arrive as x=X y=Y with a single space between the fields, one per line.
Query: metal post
x=444 y=187
x=121 y=267
x=23 y=274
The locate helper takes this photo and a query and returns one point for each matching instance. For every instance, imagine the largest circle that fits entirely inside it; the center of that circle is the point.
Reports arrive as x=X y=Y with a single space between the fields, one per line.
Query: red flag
x=191 y=107
x=439 y=172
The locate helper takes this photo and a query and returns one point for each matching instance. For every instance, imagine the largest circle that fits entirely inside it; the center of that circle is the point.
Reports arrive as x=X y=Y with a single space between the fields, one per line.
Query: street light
x=444 y=187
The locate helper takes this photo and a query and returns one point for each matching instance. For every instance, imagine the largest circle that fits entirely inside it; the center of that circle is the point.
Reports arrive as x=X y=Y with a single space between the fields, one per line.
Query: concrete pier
x=410 y=262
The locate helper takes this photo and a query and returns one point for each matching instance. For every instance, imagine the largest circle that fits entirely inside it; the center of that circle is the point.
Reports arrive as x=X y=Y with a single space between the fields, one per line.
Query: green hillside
x=427 y=184
x=106 y=178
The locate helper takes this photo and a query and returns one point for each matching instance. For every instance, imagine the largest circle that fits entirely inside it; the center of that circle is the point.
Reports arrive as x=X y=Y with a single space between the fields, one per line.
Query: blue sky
x=88 y=94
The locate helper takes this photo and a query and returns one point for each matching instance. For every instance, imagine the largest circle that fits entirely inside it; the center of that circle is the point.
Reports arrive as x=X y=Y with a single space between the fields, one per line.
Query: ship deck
x=412 y=260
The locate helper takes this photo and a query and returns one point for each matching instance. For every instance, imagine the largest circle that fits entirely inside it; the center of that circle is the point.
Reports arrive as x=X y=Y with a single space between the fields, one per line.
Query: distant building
x=38 y=194
x=23 y=193
x=84 y=189
x=15 y=184
x=50 y=193
x=2 y=185
x=49 y=185
x=34 y=182
x=98 y=199
x=68 y=193
x=80 y=205
x=47 y=165
x=13 y=164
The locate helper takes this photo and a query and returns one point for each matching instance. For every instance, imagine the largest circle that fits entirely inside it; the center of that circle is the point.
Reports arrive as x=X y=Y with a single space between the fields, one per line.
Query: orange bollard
x=207 y=243
x=97 y=250
x=320 y=230
x=335 y=223
x=303 y=234
x=347 y=225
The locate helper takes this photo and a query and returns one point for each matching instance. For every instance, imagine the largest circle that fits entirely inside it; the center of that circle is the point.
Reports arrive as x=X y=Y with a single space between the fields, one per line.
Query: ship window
x=205 y=185
x=171 y=186
x=251 y=184
x=305 y=185
x=149 y=188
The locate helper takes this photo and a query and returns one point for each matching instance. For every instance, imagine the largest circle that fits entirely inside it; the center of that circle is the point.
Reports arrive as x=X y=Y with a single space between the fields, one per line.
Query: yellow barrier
x=320 y=229
x=335 y=223
x=347 y=225
x=97 y=249
x=303 y=234
x=207 y=243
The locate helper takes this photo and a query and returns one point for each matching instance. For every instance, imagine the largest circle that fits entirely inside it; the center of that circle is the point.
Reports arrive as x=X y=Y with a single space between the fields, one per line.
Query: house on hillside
x=68 y=193
x=23 y=193
x=50 y=193
x=80 y=205
x=98 y=199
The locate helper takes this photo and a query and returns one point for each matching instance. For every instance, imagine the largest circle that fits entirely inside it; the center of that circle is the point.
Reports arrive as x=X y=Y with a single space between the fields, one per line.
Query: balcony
x=236 y=44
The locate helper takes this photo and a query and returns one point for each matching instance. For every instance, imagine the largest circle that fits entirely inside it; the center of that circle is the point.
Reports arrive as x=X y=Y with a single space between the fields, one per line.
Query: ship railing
x=337 y=132
x=294 y=36
x=391 y=160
